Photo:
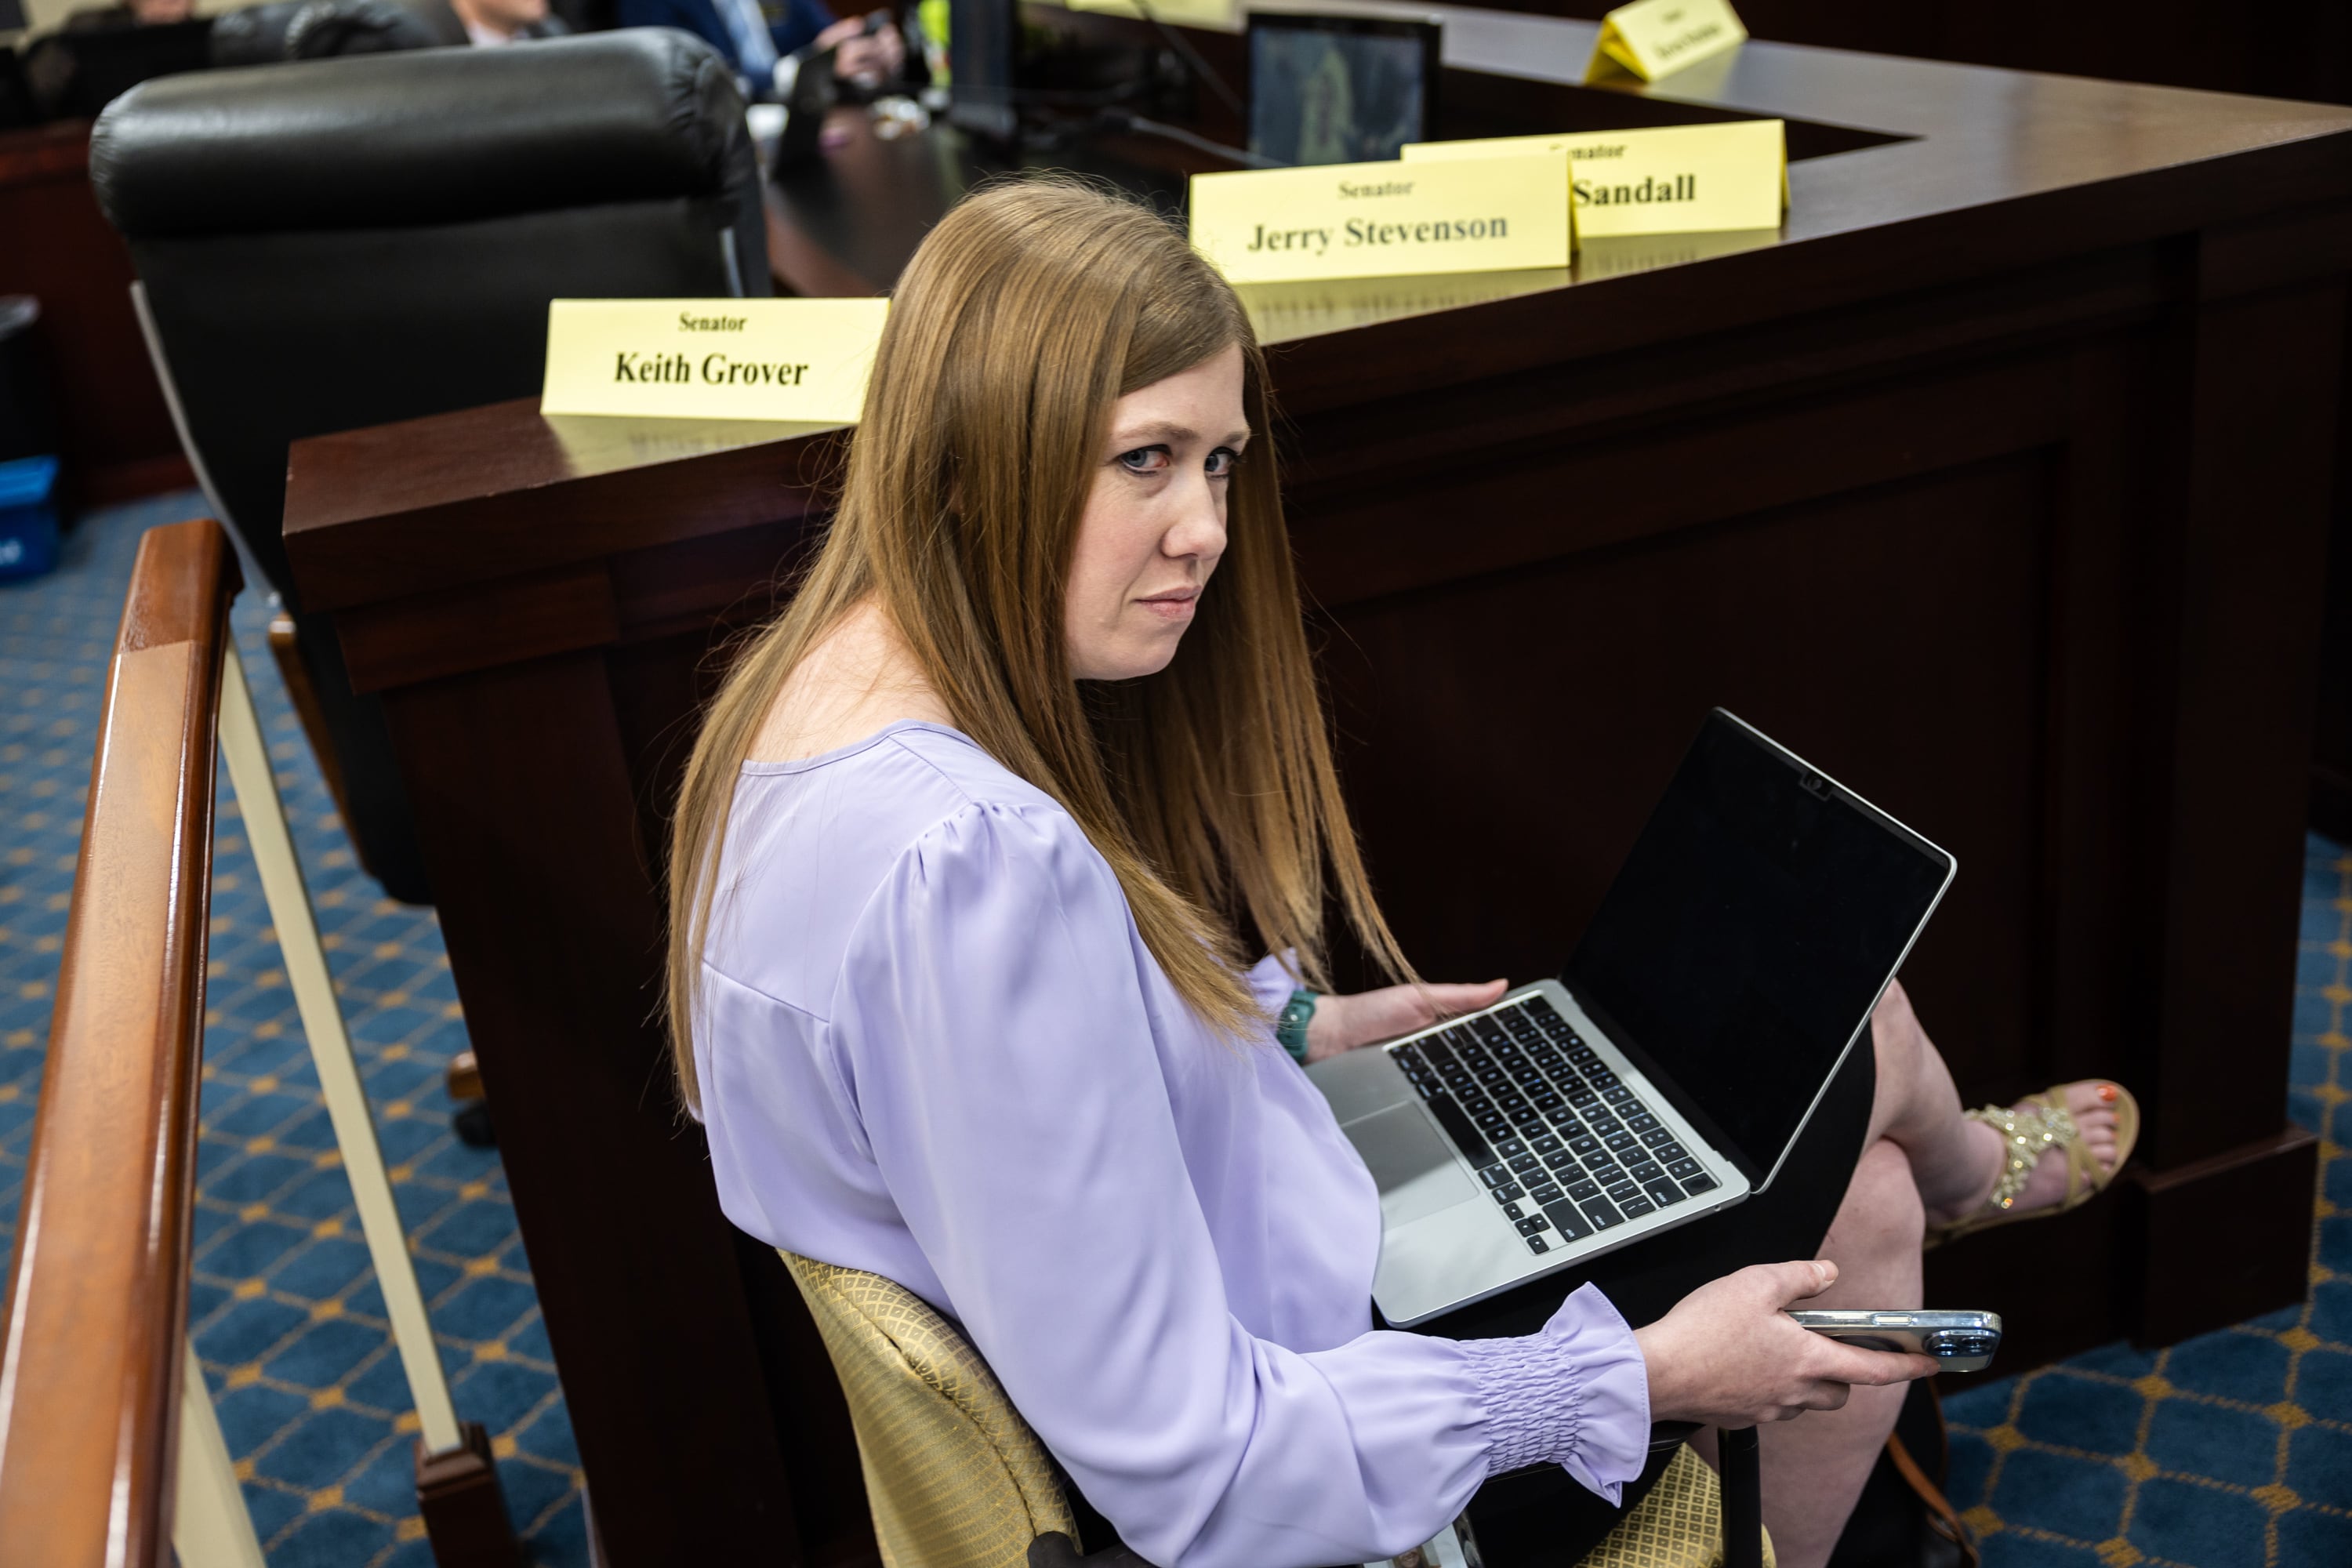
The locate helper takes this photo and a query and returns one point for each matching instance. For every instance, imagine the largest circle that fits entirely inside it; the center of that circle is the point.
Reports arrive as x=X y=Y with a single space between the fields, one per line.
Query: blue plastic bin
x=28 y=518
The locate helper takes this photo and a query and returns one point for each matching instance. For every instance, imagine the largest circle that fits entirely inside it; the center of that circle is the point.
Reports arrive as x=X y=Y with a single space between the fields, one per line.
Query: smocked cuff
x=1577 y=1394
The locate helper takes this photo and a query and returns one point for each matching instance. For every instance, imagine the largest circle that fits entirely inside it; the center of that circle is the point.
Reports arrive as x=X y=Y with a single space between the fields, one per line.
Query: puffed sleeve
x=1270 y=982
x=993 y=1023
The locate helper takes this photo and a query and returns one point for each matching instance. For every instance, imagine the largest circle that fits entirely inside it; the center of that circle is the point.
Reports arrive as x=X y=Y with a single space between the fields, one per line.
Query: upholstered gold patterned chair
x=957 y=1480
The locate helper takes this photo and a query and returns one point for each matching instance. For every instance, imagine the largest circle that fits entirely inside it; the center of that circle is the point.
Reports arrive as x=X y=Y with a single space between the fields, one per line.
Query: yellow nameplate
x=1214 y=15
x=711 y=359
x=1670 y=179
x=1652 y=38
x=1385 y=220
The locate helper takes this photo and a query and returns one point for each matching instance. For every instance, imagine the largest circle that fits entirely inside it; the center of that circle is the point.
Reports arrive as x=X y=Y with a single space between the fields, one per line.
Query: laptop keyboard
x=1563 y=1146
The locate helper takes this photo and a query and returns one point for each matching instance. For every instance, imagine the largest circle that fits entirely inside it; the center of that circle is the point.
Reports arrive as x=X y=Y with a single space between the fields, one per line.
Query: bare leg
x=1814 y=1469
x=1955 y=1161
x=1922 y=1160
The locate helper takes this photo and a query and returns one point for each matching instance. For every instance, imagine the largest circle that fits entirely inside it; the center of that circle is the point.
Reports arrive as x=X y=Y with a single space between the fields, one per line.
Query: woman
x=965 y=861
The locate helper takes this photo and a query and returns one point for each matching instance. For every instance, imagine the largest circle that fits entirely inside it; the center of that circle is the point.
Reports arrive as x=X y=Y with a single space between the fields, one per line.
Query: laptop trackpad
x=1418 y=1171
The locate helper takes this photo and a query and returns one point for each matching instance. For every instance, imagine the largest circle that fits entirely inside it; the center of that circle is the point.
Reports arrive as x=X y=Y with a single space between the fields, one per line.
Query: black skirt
x=1538 y=1518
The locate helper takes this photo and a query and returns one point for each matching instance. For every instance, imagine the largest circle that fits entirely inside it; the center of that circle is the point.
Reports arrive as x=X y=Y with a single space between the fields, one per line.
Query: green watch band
x=1290 y=1027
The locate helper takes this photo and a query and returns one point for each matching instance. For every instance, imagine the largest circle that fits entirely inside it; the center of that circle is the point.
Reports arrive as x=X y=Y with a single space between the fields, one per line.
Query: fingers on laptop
x=1447 y=1000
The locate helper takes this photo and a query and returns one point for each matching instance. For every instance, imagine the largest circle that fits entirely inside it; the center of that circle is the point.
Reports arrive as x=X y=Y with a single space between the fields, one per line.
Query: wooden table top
x=1874 y=139
x=1906 y=174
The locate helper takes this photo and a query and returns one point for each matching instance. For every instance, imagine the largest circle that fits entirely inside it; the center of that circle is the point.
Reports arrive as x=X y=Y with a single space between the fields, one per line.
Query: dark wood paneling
x=2331 y=770
x=2250 y=483
x=403 y=643
x=1536 y=503
x=482 y=499
x=2299 y=48
x=2233 y=1195
x=1928 y=704
x=555 y=946
x=115 y=431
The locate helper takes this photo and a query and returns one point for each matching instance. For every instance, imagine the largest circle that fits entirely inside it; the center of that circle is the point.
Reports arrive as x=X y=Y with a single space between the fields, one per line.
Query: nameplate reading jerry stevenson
x=1667 y=179
x=1385 y=220
x=800 y=360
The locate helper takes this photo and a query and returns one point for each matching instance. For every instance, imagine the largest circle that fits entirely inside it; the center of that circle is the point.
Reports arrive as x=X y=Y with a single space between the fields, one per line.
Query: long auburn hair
x=1026 y=312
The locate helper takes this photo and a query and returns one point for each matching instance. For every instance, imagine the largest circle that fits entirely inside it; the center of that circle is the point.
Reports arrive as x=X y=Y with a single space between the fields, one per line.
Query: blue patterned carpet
x=2232 y=1449
x=285 y=1313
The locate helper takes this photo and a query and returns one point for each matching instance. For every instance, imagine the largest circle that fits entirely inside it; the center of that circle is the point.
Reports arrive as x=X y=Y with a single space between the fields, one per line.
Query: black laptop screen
x=1749 y=933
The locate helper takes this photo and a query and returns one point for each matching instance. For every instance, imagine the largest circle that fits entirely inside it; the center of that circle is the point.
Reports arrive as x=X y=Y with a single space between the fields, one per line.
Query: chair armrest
x=1670 y=1435
x=1743 y=1498
x=1054 y=1549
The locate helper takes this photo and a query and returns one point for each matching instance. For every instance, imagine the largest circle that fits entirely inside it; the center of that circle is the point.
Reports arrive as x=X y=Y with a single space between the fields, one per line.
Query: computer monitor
x=1339 y=90
x=983 y=38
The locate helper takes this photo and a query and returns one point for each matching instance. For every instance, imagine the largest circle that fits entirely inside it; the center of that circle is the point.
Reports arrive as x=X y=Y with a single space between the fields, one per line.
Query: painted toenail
x=2107 y=1092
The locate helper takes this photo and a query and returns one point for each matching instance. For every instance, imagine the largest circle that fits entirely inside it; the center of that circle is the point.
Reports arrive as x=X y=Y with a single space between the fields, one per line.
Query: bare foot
x=2092 y=1103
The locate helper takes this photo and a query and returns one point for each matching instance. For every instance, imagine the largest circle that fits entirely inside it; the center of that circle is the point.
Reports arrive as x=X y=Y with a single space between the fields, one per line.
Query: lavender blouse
x=932 y=1044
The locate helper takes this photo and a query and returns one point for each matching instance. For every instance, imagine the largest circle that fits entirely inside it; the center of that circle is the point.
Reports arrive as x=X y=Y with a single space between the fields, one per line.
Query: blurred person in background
x=133 y=14
x=488 y=23
x=766 y=45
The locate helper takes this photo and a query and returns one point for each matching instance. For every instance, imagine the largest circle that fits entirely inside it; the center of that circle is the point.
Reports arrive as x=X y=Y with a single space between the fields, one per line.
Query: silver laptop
x=1668 y=1071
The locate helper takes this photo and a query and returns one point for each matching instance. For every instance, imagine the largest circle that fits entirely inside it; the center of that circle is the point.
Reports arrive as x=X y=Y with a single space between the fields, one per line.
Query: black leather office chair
x=331 y=244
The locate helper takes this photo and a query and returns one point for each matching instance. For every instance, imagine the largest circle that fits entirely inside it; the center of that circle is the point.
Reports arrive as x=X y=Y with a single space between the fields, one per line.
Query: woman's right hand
x=1728 y=1355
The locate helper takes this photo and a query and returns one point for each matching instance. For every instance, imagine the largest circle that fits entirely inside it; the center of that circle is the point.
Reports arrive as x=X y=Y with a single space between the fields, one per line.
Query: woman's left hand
x=1347 y=1022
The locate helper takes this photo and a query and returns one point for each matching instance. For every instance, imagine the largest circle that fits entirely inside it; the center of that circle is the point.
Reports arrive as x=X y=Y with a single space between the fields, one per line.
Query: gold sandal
x=2034 y=1127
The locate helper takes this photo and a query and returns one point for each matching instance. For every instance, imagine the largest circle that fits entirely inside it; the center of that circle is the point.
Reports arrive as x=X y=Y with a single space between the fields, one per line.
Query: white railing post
x=331 y=1047
x=210 y=1527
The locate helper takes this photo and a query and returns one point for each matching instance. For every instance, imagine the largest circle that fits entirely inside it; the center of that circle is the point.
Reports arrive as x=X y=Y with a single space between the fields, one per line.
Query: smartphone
x=1963 y=1342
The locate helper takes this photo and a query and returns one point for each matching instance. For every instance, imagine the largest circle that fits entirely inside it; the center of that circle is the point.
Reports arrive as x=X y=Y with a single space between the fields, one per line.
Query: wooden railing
x=92 y=1371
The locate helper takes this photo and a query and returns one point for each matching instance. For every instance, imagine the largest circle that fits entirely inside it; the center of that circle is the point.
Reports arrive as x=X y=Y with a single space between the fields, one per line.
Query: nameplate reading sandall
x=1385 y=220
x=804 y=360
x=1652 y=38
x=1670 y=179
